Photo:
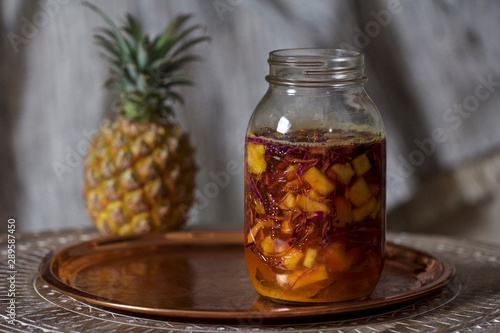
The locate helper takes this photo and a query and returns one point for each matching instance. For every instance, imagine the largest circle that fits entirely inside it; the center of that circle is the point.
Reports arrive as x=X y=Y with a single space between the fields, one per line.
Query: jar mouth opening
x=319 y=66
x=305 y=53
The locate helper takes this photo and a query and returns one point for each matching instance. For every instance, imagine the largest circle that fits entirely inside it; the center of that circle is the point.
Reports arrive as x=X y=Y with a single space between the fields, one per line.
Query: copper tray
x=202 y=275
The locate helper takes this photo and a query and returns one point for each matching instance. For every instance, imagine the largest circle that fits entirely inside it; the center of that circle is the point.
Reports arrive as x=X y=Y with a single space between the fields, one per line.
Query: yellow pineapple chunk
x=312 y=194
x=291 y=172
x=310 y=276
x=310 y=229
x=343 y=171
x=343 y=210
x=318 y=181
x=292 y=258
x=286 y=228
x=359 y=213
x=288 y=202
x=259 y=207
x=267 y=245
x=360 y=192
x=293 y=186
x=253 y=232
x=255 y=158
x=310 y=257
x=361 y=164
x=307 y=204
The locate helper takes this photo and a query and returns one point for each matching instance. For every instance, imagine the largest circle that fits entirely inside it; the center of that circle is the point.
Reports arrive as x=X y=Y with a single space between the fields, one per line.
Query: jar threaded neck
x=316 y=67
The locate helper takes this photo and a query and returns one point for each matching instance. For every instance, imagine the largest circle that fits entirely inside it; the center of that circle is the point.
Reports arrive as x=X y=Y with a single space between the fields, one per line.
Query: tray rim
x=232 y=238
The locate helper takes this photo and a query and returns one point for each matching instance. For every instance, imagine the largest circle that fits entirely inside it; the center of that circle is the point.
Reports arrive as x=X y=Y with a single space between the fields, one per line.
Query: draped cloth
x=432 y=68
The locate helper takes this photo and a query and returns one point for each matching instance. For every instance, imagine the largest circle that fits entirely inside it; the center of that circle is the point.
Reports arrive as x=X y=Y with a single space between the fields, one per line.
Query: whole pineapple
x=140 y=169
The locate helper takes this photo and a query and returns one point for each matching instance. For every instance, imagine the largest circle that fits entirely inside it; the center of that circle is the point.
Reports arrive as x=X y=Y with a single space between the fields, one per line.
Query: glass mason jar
x=315 y=164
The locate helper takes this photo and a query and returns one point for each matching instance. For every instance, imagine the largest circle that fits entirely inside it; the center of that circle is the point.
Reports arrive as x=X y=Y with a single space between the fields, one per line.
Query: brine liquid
x=315 y=214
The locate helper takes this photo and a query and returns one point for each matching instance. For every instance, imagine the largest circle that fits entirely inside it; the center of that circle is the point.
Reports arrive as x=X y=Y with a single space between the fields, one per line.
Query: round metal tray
x=202 y=275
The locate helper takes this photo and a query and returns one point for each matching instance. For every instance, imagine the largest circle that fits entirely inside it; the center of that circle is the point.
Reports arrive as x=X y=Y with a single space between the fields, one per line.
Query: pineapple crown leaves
x=146 y=70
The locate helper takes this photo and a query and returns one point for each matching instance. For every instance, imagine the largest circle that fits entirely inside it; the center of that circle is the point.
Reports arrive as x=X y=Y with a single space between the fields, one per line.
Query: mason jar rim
x=316 y=66
x=307 y=54
x=315 y=52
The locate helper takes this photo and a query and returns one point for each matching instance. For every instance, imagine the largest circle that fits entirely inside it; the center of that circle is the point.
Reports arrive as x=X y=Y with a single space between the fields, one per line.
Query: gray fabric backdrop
x=433 y=72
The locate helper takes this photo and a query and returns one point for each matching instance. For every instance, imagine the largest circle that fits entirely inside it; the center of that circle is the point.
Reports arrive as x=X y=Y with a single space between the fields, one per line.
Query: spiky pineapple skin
x=139 y=177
